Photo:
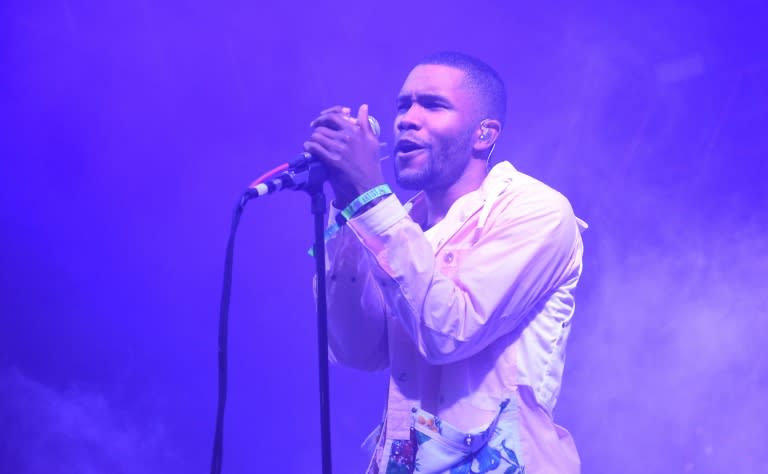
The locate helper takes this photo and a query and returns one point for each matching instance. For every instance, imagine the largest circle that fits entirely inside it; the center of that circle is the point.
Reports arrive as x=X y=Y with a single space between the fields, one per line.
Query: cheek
x=449 y=130
x=458 y=142
x=446 y=125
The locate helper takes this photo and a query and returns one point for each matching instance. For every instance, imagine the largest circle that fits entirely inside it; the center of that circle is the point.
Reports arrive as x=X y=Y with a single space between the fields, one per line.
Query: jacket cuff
x=379 y=218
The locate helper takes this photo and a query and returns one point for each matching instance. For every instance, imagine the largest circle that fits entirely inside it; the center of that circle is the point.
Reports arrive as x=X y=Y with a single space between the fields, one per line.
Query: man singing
x=465 y=292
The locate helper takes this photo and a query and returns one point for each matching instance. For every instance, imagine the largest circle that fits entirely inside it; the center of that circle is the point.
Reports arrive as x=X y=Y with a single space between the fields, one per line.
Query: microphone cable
x=313 y=174
x=226 y=293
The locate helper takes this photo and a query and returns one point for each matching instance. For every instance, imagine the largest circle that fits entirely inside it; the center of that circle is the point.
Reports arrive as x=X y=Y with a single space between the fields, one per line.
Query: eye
x=434 y=104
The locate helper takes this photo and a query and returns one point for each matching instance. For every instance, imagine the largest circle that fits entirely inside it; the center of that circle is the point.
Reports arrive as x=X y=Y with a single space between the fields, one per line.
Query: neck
x=439 y=201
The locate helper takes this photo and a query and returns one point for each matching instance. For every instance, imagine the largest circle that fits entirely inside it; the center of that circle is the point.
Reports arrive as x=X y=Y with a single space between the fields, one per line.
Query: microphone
x=299 y=173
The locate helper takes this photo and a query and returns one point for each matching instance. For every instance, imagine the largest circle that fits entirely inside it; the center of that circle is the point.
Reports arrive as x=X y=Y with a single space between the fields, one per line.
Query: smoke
x=47 y=430
x=669 y=371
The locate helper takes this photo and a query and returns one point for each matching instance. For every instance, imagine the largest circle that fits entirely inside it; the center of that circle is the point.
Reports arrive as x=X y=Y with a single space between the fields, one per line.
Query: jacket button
x=448 y=257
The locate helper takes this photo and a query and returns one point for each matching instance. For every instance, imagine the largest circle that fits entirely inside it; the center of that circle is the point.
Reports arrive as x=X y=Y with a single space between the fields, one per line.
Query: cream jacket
x=465 y=314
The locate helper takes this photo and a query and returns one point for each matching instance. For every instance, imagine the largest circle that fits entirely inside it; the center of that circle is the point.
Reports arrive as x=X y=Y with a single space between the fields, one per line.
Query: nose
x=408 y=119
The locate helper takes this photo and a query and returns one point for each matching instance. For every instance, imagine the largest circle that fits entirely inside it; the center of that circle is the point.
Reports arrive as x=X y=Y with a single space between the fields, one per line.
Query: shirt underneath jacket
x=469 y=313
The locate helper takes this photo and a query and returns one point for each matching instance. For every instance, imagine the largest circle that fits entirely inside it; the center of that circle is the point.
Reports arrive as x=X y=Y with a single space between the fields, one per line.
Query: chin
x=412 y=179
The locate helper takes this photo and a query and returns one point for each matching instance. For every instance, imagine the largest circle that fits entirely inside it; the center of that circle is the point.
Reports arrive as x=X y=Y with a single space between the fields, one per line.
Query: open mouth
x=406 y=148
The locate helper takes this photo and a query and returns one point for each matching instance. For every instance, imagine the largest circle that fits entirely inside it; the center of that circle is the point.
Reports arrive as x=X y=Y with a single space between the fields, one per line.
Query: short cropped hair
x=480 y=77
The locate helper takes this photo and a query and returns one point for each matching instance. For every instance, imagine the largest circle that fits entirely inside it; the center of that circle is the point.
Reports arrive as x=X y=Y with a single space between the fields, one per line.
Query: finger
x=316 y=149
x=333 y=120
x=337 y=108
x=342 y=137
x=362 y=119
x=333 y=143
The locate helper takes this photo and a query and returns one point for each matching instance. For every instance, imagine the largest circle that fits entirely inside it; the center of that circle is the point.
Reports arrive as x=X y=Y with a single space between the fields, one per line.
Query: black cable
x=310 y=180
x=226 y=292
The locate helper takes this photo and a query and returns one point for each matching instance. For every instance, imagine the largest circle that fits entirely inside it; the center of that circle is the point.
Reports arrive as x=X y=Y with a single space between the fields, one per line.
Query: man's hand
x=350 y=151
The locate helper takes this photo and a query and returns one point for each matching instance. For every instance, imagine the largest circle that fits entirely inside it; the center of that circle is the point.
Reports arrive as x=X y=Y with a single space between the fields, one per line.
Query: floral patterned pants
x=437 y=447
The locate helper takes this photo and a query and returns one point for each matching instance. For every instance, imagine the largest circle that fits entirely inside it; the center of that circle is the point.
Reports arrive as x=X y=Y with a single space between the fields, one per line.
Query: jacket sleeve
x=529 y=246
x=357 y=328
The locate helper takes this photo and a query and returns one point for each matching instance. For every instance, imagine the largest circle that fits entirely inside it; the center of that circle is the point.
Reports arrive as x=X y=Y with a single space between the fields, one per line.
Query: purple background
x=128 y=129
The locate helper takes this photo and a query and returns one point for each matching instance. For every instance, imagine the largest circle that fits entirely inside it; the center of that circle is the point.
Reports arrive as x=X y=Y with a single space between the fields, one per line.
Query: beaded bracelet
x=353 y=208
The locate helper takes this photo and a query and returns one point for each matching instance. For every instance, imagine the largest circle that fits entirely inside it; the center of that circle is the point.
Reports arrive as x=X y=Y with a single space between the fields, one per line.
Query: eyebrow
x=423 y=98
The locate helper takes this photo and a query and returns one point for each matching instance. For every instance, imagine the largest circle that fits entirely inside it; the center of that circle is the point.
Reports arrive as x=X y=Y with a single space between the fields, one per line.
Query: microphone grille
x=374 y=125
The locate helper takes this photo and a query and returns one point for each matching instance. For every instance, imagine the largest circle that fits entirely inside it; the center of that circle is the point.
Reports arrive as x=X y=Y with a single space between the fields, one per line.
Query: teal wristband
x=353 y=208
x=365 y=198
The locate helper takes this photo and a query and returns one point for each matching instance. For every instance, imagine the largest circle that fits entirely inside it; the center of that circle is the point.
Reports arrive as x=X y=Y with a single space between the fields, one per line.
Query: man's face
x=436 y=117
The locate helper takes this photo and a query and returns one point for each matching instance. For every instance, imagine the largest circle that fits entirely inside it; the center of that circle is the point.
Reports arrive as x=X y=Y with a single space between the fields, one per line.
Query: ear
x=486 y=135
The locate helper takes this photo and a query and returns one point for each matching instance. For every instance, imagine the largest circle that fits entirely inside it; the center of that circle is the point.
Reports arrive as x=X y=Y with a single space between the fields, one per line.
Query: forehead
x=435 y=79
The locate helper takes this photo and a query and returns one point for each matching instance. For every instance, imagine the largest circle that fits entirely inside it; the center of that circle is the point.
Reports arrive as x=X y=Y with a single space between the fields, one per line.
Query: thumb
x=363 y=119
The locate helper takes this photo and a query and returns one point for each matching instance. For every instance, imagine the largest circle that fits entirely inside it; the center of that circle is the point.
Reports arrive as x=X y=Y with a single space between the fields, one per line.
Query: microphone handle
x=303 y=172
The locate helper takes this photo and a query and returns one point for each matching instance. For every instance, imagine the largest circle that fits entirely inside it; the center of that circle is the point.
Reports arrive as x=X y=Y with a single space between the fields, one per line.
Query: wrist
x=344 y=197
x=368 y=205
x=342 y=201
x=356 y=206
x=363 y=202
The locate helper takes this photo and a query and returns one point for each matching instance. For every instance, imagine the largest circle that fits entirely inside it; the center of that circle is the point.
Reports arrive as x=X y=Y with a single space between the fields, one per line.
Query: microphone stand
x=307 y=175
x=314 y=186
